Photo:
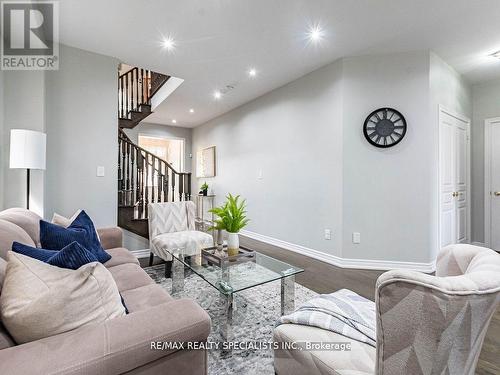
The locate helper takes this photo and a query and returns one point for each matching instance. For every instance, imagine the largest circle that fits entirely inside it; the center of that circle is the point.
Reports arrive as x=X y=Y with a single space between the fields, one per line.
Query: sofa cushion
x=360 y=360
x=27 y=220
x=145 y=297
x=39 y=300
x=120 y=255
x=81 y=230
x=129 y=276
x=6 y=340
x=9 y=233
x=3 y=266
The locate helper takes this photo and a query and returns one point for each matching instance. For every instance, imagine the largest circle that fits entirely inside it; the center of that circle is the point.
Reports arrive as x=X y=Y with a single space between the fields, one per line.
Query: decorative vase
x=205 y=193
x=233 y=244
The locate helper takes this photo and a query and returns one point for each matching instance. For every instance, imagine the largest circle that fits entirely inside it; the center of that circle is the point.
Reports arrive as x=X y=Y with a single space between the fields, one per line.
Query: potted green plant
x=231 y=217
x=204 y=189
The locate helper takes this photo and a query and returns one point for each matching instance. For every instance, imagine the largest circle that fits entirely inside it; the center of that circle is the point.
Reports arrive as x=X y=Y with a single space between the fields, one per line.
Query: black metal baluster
x=165 y=186
x=173 y=186
x=142 y=86
x=146 y=183
x=189 y=187
x=181 y=186
x=132 y=171
x=132 y=88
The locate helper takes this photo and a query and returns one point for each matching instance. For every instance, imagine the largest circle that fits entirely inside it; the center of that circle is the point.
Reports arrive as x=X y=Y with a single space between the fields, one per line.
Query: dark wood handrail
x=127 y=72
x=129 y=141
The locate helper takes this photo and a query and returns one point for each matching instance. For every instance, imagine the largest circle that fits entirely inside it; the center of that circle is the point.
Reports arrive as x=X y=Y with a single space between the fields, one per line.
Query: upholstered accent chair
x=171 y=226
x=425 y=324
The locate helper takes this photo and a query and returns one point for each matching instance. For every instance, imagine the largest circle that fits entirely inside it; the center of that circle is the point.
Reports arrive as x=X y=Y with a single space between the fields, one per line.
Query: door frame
x=443 y=110
x=488 y=126
x=168 y=137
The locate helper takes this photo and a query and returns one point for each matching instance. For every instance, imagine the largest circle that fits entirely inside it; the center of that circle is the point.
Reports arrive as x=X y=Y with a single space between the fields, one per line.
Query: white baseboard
x=341 y=262
x=144 y=253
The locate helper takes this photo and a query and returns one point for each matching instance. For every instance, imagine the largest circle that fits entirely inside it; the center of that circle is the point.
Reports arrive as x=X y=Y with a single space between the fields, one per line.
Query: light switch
x=356 y=237
x=100 y=171
x=328 y=234
x=260 y=175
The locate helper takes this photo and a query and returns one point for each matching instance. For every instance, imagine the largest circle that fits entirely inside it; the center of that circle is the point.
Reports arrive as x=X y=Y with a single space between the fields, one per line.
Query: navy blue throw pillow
x=72 y=256
x=81 y=230
x=33 y=252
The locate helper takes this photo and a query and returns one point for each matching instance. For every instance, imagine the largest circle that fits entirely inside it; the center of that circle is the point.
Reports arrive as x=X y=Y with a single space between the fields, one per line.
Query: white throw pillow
x=39 y=300
x=64 y=221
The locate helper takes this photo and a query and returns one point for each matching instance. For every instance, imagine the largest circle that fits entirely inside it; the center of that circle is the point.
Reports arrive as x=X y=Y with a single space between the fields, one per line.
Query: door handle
x=496 y=193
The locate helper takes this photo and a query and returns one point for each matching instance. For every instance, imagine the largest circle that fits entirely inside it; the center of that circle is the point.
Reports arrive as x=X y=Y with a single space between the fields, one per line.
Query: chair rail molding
x=367 y=264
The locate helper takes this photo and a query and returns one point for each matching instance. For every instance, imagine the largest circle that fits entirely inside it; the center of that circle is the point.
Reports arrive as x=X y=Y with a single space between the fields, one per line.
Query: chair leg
x=151 y=257
x=168 y=269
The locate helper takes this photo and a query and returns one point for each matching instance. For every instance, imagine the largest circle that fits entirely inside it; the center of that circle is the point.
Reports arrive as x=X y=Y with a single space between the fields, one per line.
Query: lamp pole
x=27 y=188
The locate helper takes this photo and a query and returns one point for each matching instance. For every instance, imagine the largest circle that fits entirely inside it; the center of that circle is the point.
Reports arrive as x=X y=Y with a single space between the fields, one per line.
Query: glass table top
x=230 y=277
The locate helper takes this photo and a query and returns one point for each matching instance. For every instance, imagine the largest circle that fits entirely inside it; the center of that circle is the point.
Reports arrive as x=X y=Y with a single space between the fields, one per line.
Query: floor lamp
x=27 y=151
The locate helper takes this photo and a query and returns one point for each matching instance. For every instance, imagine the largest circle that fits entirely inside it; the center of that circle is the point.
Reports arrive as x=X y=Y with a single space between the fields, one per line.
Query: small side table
x=204 y=203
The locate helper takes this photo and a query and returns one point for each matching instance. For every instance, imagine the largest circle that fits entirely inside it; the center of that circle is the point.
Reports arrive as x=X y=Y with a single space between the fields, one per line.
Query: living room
x=247 y=173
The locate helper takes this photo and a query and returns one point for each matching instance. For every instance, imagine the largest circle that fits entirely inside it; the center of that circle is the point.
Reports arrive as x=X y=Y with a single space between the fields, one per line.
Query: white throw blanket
x=343 y=312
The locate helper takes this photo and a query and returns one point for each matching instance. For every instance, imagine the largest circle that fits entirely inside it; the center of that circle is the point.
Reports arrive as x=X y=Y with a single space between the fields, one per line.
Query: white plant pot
x=233 y=243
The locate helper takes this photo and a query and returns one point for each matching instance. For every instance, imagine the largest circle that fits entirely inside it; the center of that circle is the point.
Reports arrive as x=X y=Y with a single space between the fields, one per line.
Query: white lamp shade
x=27 y=149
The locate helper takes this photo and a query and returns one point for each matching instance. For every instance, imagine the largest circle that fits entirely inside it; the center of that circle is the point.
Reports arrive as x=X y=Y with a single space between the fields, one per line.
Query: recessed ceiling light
x=252 y=72
x=496 y=54
x=168 y=43
x=174 y=121
x=315 y=33
x=191 y=110
x=217 y=94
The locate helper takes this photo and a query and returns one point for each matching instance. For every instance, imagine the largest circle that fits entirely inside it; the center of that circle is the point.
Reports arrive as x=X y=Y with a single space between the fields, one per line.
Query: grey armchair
x=425 y=324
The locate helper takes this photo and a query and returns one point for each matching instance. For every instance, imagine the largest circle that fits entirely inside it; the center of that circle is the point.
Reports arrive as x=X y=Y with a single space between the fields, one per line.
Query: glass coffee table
x=232 y=277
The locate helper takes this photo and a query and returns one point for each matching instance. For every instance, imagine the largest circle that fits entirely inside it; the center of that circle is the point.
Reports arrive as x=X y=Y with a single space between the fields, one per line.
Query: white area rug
x=256 y=312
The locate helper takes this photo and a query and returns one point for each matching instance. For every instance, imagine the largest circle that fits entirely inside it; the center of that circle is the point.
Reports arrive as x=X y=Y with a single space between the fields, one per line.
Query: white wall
x=82 y=130
x=24 y=108
x=294 y=136
x=158 y=130
x=486 y=104
x=388 y=193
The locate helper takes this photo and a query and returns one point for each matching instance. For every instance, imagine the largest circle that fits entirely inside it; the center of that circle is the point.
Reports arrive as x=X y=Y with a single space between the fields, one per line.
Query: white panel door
x=454 y=172
x=495 y=186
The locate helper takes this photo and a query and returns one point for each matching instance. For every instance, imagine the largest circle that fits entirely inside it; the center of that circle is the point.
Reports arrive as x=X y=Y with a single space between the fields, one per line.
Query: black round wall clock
x=384 y=127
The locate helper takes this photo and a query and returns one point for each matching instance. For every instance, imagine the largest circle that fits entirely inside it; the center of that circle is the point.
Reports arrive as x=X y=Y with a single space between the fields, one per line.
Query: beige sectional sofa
x=117 y=346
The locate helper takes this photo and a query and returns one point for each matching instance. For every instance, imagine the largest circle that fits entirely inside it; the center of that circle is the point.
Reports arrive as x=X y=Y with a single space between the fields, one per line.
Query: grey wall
x=159 y=130
x=294 y=136
x=81 y=118
x=388 y=193
x=486 y=104
x=2 y=147
x=24 y=108
x=318 y=170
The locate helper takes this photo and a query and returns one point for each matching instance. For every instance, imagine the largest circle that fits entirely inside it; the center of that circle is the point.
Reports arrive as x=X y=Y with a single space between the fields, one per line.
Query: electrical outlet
x=356 y=237
x=328 y=234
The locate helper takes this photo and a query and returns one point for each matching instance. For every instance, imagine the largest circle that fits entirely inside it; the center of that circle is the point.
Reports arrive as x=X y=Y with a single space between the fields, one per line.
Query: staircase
x=143 y=178
x=135 y=90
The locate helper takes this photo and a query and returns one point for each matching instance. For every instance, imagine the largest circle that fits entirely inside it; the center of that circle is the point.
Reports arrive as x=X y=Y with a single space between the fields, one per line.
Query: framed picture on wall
x=205 y=162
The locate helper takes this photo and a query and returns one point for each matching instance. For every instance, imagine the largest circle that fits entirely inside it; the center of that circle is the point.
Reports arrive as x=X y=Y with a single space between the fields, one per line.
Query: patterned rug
x=256 y=311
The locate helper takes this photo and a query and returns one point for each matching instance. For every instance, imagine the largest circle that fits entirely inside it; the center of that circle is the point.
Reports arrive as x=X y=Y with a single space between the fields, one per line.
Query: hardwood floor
x=326 y=278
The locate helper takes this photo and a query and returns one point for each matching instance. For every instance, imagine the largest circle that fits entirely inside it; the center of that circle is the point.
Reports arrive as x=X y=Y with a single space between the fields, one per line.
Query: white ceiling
x=217 y=41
